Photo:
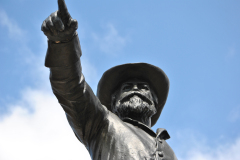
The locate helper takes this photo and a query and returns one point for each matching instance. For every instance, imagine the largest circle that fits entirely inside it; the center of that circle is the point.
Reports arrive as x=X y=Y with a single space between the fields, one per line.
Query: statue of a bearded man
x=115 y=124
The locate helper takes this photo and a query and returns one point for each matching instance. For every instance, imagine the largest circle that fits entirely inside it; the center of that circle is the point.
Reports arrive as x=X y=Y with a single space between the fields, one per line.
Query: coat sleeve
x=84 y=111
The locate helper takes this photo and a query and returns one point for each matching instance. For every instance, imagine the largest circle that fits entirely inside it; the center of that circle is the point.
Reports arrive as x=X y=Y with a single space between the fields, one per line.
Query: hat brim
x=113 y=78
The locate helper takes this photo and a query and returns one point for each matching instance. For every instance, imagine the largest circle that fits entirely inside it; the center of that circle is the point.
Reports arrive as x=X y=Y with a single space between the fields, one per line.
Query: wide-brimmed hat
x=153 y=75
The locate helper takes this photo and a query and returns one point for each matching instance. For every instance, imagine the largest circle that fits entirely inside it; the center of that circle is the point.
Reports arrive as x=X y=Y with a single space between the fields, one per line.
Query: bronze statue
x=115 y=124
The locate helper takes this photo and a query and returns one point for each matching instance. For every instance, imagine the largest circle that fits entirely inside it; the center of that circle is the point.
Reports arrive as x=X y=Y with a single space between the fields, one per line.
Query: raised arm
x=83 y=109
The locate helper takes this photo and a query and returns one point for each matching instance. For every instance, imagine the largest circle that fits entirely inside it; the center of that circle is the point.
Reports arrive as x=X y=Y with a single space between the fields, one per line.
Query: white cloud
x=13 y=29
x=234 y=114
x=89 y=71
x=231 y=52
x=111 y=42
x=223 y=152
x=39 y=132
x=190 y=145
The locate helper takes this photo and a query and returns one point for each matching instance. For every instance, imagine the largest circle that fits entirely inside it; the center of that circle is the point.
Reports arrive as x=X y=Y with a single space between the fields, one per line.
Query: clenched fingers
x=58 y=24
x=45 y=29
x=50 y=25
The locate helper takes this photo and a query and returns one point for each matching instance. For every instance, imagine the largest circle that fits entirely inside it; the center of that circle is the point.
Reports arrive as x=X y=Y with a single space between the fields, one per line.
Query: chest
x=121 y=141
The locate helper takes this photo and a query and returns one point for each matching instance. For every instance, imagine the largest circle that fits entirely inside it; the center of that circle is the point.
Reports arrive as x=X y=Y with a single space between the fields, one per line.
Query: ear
x=113 y=100
x=155 y=99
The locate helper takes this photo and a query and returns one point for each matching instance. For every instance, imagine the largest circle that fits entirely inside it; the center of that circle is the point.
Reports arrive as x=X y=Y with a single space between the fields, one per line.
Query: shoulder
x=167 y=150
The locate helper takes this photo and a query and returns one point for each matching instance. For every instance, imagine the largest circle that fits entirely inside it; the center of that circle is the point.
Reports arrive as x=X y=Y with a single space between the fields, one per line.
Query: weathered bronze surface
x=115 y=124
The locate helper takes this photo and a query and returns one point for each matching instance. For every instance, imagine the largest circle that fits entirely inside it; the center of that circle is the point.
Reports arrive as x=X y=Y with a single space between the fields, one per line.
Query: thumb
x=73 y=25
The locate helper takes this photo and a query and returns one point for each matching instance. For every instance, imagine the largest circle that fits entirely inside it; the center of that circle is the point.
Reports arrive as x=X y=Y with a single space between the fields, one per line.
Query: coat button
x=160 y=154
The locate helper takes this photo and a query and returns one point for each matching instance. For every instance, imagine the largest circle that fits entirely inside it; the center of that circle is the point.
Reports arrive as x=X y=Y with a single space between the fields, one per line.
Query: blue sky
x=195 y=42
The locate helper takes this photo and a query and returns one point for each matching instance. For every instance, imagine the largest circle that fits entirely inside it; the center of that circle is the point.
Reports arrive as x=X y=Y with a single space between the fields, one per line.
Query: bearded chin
x=134 y=107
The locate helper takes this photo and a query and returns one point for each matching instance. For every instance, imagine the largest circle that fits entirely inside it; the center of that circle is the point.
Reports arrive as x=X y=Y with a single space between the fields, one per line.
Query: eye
x=143 y=86
x=126 y=87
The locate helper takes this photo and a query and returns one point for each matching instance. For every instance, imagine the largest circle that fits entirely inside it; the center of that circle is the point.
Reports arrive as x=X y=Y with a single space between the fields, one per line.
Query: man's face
x=134 y=100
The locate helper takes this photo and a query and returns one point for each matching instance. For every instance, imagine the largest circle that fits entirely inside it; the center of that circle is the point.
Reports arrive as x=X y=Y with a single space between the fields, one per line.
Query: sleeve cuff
x=63 y=54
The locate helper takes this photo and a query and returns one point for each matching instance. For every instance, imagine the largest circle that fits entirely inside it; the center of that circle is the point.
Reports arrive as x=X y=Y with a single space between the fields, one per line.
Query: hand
x=59 y=26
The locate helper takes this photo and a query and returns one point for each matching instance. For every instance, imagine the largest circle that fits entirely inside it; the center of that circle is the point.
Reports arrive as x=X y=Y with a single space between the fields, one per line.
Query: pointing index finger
x=62 y=7
x=63 y=12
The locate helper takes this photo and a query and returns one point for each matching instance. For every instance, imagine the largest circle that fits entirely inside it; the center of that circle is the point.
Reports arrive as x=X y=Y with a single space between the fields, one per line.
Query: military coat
x=105 y=135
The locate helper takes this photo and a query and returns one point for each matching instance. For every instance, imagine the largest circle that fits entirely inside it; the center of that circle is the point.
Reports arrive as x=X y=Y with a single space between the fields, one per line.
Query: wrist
x=63 y=54
x=66 y=40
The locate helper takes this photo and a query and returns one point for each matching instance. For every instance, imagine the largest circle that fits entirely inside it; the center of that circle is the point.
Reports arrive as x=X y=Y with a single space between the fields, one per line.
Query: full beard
x=134 y=107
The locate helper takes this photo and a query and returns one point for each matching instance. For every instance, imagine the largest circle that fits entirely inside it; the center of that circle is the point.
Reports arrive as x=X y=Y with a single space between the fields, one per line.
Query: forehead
x=134 y=81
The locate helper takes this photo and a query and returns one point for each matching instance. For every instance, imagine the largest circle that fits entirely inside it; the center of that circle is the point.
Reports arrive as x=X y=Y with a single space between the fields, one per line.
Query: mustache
x=131 y=94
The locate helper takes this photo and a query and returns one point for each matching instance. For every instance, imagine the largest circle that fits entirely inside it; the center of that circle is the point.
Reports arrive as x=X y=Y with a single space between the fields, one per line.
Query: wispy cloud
x=37 y=129
x=13 y=29
x=223 y=152
x=195 y=147
x=234 y=114
x=89 y=71
x=231 y=52
x=111 y=41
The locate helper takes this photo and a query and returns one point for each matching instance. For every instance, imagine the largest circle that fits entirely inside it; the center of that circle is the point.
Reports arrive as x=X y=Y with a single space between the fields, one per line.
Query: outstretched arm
x=83 y=109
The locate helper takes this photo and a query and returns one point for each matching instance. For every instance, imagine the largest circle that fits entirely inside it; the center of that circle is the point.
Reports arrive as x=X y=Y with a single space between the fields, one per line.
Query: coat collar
x=161 y=132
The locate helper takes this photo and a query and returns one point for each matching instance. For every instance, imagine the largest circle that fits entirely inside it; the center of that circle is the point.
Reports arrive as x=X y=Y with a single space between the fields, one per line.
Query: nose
x=135 y=87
